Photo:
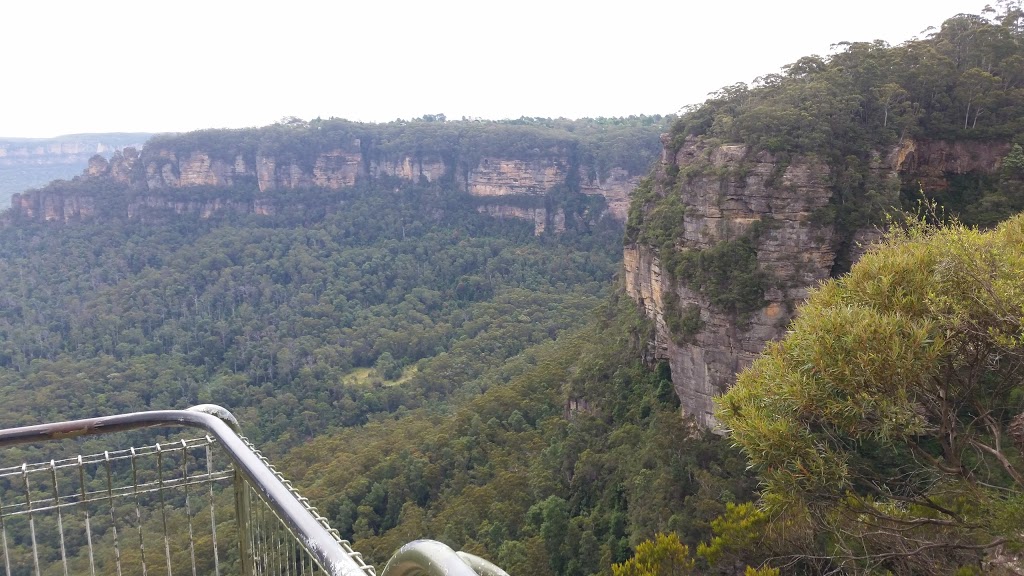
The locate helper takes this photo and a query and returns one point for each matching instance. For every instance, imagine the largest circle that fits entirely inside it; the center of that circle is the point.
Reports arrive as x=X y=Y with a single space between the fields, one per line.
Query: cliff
x=516 y=181
x=31 y=162
x=732 y=197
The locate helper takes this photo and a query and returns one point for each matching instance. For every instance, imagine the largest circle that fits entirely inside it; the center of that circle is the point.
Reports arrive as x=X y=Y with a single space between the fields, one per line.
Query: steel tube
x=426 y=558
x=320 y=544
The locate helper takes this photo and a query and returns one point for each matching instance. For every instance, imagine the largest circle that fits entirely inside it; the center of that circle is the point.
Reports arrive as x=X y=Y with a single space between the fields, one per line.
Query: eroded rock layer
x=494 y=180
x=724 y=191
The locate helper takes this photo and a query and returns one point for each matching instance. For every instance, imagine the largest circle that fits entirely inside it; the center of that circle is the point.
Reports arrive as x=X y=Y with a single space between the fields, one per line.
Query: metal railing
x=204 y=505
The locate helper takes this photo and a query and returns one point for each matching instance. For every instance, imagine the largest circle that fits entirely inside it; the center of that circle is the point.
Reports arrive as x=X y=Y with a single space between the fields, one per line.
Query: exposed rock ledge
x=730 y=193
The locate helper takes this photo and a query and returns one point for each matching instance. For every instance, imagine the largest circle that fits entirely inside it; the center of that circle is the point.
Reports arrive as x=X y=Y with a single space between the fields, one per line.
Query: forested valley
x=418 y=368
x=423 y=369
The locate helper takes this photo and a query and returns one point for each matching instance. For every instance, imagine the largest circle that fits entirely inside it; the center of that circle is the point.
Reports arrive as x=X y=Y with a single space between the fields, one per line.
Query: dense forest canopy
x=273 y=313
x=964 y=80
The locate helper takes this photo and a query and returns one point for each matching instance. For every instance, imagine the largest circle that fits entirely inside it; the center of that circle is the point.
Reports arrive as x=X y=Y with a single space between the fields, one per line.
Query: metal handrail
x=251 y=469
x=432 y=558
x=217 y=422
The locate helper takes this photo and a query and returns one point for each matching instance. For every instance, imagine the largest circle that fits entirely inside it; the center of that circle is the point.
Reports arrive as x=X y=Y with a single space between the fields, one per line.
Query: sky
x=70 y=66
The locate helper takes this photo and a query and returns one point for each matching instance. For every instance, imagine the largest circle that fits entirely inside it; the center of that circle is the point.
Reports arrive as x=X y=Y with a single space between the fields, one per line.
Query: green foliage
x=508 y=475
x=727 y=273
x=664 y=556
x=888 y=418
x=737 y=532
x=387 y=367
x=659 y=222
x=642 y=195
x=683 y=322
x=268 y=315
x=960 y=81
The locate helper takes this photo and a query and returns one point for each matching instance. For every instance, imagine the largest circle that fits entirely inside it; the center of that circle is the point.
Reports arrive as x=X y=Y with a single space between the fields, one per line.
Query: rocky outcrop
x=724 y=190
x=279 y=160
x=930 y=162
x=333 y=170
x=541 y=218
x=428 y=169
x=615 y=189
x=53 y=206
x=30 y=163
x=146 y=205
x=511 y=177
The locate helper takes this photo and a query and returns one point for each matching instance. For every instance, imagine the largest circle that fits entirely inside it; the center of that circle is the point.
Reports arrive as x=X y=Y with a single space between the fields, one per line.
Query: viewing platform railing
x=206 y=504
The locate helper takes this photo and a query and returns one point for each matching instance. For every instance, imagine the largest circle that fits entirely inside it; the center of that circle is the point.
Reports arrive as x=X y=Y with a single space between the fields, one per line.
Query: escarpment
x=724 y=242
x=508 y=173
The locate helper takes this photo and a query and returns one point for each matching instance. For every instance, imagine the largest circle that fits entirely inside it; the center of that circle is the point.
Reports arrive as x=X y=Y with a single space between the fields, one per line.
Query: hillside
x=765 y=190
x=400 y=347
x=428 y=322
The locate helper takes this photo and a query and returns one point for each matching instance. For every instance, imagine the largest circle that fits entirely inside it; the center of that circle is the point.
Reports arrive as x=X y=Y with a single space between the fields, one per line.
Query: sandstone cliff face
x=509 y=177
x=493 y=178
x=539 y=216
x=141 y=207
x=333 y=170
x=431 y=168
x=931 y=161
x=796 y=252
x=53 y=207
x=615 y=189
x=732 y=190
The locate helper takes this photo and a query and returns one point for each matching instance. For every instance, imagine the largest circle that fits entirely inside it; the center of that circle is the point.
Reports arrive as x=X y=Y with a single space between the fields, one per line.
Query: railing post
x=242 y=501
x=246 y=558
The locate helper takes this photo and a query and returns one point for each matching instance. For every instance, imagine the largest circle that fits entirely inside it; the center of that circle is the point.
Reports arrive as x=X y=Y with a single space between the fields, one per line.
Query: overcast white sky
x=78 y=66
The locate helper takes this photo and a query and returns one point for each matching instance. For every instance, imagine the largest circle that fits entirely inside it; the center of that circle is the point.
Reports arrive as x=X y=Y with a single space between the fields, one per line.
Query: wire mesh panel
x=210 y=505
x=159 y=509
x=272 y=545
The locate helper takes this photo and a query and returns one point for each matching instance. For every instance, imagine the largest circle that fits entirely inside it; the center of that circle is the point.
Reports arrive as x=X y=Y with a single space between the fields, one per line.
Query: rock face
x=724 y=190
x=793 y=249
x=931 y=161
x=510 y=177
x=539 y=216
x=495 y=180
x=333 y=170
x=429 y=169
x=615 y=189
x=53 y=207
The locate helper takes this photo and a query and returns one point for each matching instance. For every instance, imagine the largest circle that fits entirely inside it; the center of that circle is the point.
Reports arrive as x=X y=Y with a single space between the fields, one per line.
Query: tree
x=663 y=556
x=890 y=417
x=972 y=88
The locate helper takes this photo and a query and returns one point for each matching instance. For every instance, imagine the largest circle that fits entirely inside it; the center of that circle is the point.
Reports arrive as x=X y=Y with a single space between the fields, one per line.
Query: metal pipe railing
x=334 y=556
x=432 y=558
x=260 y=546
